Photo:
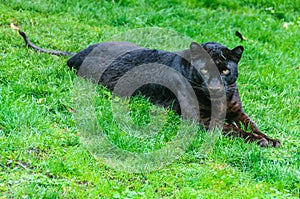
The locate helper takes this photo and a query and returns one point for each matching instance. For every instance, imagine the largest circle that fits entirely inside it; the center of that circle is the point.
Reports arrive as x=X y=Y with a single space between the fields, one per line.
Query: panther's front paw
x=263 y=142
x=276 y=143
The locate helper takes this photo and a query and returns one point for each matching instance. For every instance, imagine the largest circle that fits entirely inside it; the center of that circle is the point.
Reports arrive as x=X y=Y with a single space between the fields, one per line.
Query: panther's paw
x=263 y=142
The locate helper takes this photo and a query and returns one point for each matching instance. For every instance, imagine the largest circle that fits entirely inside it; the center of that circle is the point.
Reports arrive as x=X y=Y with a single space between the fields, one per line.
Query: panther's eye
x=204 y=71
x=226 y=71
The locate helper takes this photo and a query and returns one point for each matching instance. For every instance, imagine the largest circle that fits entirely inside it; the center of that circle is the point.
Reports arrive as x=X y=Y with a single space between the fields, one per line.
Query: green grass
x=41 y=155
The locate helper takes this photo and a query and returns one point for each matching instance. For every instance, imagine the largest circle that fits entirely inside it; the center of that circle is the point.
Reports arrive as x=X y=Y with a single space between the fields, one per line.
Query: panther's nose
x=215 y=86
x=215 y=89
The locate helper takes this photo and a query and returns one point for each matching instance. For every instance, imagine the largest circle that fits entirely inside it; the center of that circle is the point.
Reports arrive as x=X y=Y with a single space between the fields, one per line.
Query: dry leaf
x=41 y=100
x=69 y=109
x=239 y=35
x=298 y=67
x=285 y=25
x=14 y=27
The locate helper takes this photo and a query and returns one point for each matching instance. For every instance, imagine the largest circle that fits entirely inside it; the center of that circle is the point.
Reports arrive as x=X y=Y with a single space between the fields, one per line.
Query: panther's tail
x=52 y=52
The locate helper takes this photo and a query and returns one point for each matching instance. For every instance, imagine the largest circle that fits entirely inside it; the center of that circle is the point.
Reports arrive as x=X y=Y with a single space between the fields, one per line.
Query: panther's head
x=217 y=65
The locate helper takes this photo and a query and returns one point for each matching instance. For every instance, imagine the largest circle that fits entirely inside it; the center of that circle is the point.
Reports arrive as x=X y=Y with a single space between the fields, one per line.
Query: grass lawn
x=41 y=154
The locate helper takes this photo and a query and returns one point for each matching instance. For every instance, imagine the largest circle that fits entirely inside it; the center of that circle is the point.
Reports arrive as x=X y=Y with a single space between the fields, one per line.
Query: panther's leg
x=232 y=130
x=246 y=121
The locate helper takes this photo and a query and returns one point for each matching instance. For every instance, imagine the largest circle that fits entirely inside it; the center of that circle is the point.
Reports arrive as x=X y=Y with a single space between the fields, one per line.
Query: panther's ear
x=196 y=50
x=238 y=51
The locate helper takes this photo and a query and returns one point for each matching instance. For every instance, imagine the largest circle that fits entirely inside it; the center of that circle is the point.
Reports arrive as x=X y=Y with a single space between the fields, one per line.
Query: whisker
x=196 y=83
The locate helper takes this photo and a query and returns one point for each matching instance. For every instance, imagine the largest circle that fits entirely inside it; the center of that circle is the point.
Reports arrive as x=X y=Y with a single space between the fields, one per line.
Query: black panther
x=105 y=63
